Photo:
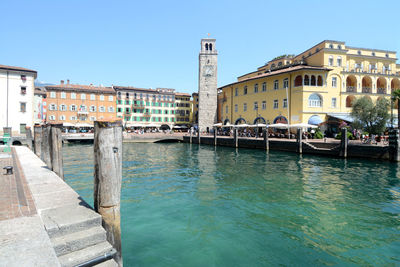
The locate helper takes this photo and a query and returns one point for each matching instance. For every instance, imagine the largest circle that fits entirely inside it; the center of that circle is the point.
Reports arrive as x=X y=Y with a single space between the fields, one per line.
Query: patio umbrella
x=278 y=125
x=303 y=125
x=218 y=124
x=241 y=125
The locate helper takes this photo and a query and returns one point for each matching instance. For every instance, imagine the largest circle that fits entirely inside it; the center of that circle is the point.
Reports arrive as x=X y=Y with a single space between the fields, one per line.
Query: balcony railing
x=351 y=89
x=366 y=90
x=381 y=90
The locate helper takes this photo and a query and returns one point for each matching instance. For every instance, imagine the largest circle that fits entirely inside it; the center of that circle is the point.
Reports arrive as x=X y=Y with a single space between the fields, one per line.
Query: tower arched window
x=207 y=47
x=210 y=47
x=313 y=80
x=306 y=80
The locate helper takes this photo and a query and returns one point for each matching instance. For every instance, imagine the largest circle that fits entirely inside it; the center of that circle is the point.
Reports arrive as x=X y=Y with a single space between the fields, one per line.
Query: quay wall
x=328 y=149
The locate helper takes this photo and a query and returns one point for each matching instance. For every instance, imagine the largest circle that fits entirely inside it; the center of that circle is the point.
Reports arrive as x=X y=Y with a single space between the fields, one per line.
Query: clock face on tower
x=208 y=70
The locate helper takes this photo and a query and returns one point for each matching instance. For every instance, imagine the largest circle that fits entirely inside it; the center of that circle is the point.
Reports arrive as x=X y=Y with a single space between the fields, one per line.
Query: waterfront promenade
x=43 y=221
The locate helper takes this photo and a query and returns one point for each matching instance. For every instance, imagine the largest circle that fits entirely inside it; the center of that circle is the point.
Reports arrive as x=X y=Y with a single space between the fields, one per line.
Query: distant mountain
x=42 y=84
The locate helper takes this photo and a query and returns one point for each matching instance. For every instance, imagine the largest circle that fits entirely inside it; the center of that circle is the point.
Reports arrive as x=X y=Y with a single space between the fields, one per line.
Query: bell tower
x=207 y=84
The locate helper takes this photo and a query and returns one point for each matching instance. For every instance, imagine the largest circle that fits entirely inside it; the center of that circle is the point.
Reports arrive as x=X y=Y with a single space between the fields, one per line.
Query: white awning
x=278 y=125
x=218 y=124
x=83 y=125
x=341 y=116
x=241 y=125
x=67 y=124
x=303 y=125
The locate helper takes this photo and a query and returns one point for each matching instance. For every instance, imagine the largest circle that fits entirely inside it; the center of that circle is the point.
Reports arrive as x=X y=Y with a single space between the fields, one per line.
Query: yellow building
x=317 y=86
x=183 y=109
x=195 y=108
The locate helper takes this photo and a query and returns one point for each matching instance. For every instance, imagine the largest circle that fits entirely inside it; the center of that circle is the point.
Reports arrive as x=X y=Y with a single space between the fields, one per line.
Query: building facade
x=80 y=105
x=39 y=105
x=207 y=84
x=316 y=86
x=139 y=107
x=16 y=101
x=195 y=108
x=183 y=109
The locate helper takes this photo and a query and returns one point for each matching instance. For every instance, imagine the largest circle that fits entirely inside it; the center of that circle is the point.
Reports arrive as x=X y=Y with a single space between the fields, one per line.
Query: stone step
x=109 y=263
x=84 y=255
x=69 y=219
x=78 y=240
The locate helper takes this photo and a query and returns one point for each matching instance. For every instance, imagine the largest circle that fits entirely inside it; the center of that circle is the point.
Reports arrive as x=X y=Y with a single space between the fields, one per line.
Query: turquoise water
x=186 y=205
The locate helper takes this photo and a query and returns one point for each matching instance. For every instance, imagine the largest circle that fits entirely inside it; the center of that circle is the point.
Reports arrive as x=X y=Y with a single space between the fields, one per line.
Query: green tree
x=369 y=116
x=396 y=96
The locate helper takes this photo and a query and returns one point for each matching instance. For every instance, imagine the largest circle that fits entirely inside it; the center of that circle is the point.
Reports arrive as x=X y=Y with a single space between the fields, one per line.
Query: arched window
x=306 y=80
x=206 y=46
x=349 y=101
x=210 y=47
x=313 y=81
x=319 y=81
x=298 y=81
x=315 y=100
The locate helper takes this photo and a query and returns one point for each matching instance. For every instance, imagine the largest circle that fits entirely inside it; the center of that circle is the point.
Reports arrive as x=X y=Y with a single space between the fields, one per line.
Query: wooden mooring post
x=191 y=135
x=199 y=136
x=265 y=139
x=45 y=151
x=343 y=143
x=235 y=137
x=37 y=134
x=29 y=137
x=56 y=150
x=107 y=180
x=300 y=140
x=215 y=136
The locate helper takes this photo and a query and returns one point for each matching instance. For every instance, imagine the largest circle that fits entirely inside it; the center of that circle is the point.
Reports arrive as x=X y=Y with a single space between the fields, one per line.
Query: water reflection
x=200 y=205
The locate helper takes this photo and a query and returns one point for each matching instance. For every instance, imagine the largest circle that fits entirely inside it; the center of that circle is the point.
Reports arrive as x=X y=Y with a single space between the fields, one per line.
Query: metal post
x=235 y=137
x=215 y=136
x=107 y=180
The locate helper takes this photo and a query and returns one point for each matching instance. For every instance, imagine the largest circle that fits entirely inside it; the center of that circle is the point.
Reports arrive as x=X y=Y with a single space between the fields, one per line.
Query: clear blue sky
x=156 y=43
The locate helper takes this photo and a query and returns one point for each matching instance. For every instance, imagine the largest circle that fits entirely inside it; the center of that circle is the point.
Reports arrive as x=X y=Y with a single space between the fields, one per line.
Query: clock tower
x=207 y=84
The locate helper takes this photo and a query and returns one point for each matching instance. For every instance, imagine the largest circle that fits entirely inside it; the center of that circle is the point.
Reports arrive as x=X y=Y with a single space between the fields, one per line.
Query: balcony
x=146 y=114
x=351 y=89
x=138 y=106
x=366 y=90
x=381 y=91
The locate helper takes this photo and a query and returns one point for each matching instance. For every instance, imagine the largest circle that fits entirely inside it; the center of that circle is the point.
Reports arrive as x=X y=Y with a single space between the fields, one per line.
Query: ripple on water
x=185 y=205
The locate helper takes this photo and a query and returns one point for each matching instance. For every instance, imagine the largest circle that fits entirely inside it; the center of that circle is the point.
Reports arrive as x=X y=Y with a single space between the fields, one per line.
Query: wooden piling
x=107 y=180
x=29 y=137
x=265 y=139
x=343 y=143
x=235 y=137
x=300 y=140
x=215 y=136
x=45 y=153
x=199 y=136
x=191 y=134
x=37 y=132
x=56 y=150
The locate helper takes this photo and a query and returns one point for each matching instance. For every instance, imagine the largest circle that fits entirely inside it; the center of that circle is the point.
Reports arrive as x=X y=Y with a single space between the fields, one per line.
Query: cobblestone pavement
x=15 y=196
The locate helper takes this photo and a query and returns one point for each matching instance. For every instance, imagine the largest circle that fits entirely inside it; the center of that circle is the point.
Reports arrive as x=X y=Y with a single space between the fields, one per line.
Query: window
x=285 y=103
x=83 y=96
x=333 y=102
x=330 y=61
x=339 y=47
x=73 y=95
x=23 y=77
x=92 y=97
x=286 y=83
x=72 y=108
x=226 y=109
x=110 y=98
x=331 y=46
x=110 y=109
x=256 y=88
x=102 y=109
x=264 y=105
x=52 y=117
x=62 y=118
x=306 y=80
x=256 y=105
x=92 y=109
x=101 y=97
x=245 y=90
x=359 y=52
x=236 y=91
x=339 y=61
x=52 y=94
x=387 y=55
x=63 y=107
x=276 y=85
x=23 y=90
x=92 y=118
x=236 y=107
x=314 y=101
x=264 y=86
x=244 y=107
x=72 y=118
x=334 y=82
x=63 y=95
x=83 y=108
x=53 y=107
x=22 y=107
x=276 y=104
x=119 y=109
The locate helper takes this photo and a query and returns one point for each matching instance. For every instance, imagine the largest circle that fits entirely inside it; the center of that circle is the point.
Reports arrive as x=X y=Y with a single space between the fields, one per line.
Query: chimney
x=68 y=81
x=62 y=82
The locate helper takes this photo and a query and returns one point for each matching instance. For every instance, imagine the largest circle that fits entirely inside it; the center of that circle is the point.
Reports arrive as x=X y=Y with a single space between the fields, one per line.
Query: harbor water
x=190 y=205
